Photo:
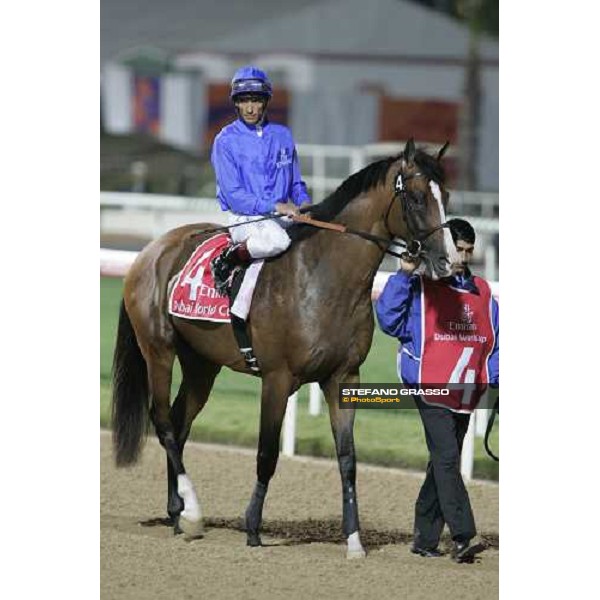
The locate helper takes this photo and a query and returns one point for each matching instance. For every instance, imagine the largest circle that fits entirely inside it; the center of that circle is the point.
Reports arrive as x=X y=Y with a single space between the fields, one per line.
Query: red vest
x=457 y=339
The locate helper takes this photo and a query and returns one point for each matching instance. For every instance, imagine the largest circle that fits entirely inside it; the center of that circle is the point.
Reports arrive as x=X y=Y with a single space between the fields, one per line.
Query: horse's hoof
x=253 y=540
x=351 y=554
x=176 y=528
x=355 y=548
x=191 y=529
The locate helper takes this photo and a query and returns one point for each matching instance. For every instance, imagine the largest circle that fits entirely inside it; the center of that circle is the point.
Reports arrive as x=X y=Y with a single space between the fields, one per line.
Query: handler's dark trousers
x=443 y=497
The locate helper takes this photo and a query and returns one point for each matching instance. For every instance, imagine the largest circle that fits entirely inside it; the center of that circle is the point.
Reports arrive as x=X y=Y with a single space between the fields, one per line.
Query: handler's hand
x=286 y=208
x=408 y=263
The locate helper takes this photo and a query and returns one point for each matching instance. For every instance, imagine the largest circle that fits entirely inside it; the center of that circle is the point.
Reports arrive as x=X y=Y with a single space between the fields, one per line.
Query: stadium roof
x=181 y=25
x=377 y=28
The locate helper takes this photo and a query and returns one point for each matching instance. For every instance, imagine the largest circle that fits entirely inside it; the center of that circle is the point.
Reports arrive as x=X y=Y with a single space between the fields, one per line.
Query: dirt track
x=304 y=558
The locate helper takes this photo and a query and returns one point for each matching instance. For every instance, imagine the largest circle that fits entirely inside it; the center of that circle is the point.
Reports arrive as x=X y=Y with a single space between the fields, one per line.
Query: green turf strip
x=384 y=437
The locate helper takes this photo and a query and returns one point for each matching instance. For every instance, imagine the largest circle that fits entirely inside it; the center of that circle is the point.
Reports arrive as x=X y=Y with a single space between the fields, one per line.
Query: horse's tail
x=129 y=395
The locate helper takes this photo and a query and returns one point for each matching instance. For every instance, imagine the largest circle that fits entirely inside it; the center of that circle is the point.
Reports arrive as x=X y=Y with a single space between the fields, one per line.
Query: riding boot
x=240 y=327
x=242 y=338
x=223 y=265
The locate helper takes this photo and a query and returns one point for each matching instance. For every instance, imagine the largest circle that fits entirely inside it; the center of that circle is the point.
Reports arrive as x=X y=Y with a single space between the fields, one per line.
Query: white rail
x=124 y=208
x=116 y=263
x=288 y=438
x=324 y=167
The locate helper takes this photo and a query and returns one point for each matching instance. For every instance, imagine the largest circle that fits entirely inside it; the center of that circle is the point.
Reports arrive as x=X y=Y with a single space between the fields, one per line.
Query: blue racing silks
x=256 y=167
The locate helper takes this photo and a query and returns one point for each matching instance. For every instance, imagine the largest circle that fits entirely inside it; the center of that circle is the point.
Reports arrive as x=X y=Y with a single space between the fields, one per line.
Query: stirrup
x=251 y=360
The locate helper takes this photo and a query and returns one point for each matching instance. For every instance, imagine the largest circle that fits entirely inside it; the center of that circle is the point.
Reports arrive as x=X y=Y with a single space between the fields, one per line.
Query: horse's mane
x=362 y=181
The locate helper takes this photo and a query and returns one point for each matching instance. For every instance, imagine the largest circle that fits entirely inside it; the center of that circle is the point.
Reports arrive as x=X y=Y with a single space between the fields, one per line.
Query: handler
x=257 y=171
x=448 y=331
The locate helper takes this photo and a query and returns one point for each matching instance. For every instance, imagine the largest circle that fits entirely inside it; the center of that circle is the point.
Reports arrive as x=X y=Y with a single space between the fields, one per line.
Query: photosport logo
x=398 y=395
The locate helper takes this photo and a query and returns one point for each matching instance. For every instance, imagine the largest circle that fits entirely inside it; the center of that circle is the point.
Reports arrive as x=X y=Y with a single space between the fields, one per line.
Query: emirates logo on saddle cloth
x=193 y=295
x=457 y=340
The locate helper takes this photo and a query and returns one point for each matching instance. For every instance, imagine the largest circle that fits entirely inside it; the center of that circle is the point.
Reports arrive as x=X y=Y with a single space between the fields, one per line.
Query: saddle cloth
x=192 y=291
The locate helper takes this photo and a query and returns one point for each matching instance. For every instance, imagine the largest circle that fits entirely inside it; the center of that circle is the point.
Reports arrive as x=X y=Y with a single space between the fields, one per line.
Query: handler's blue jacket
x=399 y=314
x=256 y=167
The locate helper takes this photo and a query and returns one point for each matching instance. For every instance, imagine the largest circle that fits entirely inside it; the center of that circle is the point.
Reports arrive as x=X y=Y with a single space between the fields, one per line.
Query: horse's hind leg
x=198 y=379
x=276 y=388
x=160 y=359
x=174 y=501
x=342 y=426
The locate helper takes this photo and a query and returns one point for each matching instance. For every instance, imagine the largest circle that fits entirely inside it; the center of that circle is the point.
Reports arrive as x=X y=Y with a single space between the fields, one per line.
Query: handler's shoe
x=426 y=552
x=464 y=552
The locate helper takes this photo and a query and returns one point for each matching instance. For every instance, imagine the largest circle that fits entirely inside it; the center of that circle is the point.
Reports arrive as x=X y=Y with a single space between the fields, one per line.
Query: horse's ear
x=409 y=150
x=443 y=150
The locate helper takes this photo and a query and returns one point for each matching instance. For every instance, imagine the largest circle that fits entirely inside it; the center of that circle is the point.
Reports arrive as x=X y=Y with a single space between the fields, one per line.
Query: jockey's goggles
x=251 y=86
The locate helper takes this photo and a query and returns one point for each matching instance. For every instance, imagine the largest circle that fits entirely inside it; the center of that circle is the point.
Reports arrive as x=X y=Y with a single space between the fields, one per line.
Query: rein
x=343 y=229
x=413 y=248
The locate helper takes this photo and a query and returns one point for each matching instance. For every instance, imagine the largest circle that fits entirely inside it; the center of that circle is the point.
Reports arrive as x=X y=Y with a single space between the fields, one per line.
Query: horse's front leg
x=342 y=426
x=276 y=388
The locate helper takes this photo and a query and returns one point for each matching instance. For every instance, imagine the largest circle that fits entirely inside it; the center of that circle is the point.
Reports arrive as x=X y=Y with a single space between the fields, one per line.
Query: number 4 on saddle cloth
x=192 y=294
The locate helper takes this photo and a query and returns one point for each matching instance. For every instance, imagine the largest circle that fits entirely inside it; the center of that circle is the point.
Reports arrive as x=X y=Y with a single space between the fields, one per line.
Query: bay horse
x=311 y=320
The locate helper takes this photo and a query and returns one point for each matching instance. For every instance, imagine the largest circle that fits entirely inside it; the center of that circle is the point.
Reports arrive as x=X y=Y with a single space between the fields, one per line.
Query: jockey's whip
x=273 y=215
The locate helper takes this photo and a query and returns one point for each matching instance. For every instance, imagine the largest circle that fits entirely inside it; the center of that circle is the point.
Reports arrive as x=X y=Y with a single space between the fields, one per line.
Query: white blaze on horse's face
x=449 y=247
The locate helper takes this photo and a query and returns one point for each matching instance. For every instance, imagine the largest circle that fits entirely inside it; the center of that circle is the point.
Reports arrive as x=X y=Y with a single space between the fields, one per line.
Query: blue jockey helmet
x=250 y=80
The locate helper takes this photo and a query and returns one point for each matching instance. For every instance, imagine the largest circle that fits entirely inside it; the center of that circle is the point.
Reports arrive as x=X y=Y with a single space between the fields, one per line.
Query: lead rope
x=488 y=430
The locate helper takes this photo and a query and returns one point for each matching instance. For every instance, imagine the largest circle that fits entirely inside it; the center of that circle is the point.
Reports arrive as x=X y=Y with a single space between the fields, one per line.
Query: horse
x=311 y=320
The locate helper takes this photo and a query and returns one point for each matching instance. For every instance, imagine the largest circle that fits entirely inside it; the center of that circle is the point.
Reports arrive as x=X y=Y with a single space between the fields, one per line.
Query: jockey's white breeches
x=263 y=239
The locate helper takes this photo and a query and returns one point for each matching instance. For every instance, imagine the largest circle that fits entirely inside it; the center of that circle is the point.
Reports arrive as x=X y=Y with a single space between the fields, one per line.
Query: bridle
x=414 y=247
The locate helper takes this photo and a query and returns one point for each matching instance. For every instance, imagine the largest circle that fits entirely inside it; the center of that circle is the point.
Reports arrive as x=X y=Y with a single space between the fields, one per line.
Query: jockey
x=257 y=171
